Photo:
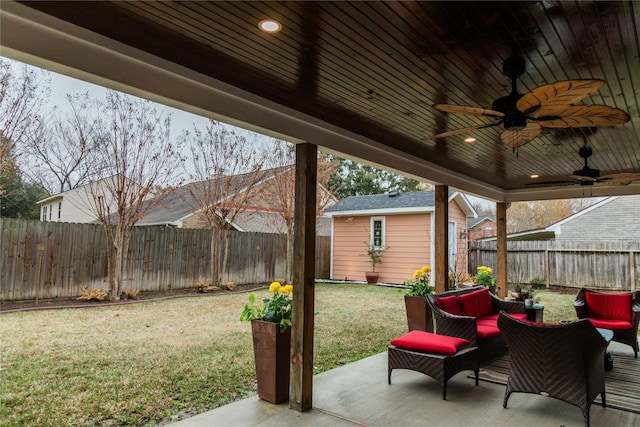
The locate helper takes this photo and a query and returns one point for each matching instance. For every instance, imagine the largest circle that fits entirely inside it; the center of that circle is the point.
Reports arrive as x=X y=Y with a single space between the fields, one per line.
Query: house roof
x=180 y=203
x=473 y=222
x=414 y=202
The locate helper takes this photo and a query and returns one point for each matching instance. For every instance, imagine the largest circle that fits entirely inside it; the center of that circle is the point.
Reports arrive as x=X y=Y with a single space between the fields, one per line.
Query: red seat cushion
x=449 y=304
x=614 y=325
x=485 y=331
x=609 y=306
x=494 y=317
x=430 y=343
x=476 y=304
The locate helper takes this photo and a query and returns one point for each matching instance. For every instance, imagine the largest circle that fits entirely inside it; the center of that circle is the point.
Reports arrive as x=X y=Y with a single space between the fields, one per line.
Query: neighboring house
x=614 y=219
x=261 y=213
x=479 y=228
x=76 y=205
x=401 y=223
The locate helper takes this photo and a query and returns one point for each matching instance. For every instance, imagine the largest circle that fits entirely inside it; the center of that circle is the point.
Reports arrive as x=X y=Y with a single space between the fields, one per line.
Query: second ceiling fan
x=547 y=106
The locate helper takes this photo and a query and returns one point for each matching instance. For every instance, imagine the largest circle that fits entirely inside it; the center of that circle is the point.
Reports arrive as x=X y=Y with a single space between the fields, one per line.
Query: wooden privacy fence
x=58 y=260
x=611 y=266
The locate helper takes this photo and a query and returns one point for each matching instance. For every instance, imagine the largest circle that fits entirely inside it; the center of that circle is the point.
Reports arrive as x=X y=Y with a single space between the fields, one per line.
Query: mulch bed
x=57 y=303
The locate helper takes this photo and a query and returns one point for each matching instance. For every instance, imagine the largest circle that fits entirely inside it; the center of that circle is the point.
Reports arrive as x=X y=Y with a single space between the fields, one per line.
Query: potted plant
x=530 y=297
x=375 y=255
x=517 y=292
x=417 y=287
x=271 y=330
x=484 y=278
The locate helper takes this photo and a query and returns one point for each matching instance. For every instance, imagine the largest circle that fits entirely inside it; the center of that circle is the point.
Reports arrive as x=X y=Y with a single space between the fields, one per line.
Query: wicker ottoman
x=438 y=356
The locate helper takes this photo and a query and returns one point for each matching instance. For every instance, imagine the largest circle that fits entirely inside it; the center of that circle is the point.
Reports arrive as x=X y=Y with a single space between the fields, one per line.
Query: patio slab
x=358 y=395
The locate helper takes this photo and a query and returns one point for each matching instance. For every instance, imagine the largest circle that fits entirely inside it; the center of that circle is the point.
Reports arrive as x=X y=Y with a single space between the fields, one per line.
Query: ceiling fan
x=590 y=176
x=547 y=106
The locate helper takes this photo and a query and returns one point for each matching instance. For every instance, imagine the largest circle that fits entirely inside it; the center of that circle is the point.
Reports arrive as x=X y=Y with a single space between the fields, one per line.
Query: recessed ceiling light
x=269 y=26
x=469 y=139
x=534 y=176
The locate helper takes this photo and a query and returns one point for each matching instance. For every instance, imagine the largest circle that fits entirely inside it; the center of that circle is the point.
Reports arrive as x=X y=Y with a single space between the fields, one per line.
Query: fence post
x=547 y=273
x=40 y=257
x=632 y=271
x=170 y=267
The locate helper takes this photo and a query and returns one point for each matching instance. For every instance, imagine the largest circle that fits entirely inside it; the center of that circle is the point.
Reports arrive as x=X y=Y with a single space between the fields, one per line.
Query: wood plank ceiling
x=377 y=68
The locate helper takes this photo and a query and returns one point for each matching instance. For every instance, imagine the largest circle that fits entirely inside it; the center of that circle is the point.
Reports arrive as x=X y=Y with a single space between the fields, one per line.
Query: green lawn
x=143 y=364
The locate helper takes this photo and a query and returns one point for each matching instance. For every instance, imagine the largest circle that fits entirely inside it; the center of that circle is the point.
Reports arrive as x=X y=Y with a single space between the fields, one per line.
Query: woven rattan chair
x=466 y=327
x=565 y=362
x=627 y=336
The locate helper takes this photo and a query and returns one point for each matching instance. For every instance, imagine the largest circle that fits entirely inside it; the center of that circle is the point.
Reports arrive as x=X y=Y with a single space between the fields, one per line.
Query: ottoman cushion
x=430 y=343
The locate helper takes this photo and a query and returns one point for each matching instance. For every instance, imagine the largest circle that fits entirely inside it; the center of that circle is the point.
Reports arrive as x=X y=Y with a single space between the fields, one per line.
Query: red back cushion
x=449 y=304
x=484 y=302
x=609 y=306
x=430 y=343
x=476 y=304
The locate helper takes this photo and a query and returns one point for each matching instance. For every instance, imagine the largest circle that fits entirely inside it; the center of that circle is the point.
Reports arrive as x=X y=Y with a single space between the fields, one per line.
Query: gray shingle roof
x=386 y=201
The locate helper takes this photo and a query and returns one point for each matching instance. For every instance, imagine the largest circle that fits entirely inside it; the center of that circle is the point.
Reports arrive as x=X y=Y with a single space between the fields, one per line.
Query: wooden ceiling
x=375 y=69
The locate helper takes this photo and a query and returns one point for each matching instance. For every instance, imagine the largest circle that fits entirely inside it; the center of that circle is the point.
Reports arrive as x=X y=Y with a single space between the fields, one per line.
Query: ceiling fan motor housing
x=514 y=119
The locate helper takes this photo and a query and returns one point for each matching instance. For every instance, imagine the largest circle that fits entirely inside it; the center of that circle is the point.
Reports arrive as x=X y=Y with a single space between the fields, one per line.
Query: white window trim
x=382 y=219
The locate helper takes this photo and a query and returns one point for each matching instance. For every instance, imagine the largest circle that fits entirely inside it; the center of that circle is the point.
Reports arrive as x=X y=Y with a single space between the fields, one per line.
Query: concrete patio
x=358 y=394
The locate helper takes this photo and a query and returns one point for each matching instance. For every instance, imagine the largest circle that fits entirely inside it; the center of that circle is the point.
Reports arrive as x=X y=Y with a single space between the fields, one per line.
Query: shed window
x=377 y=238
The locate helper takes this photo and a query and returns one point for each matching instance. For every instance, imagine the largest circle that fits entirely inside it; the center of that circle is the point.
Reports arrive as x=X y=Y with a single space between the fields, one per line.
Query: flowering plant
x=484 y=277
x=276 y=309
x=418 y=285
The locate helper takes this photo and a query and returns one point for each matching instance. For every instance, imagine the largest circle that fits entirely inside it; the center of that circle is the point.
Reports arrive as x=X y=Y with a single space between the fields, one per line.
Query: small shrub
x=229 y=285
x=93 y=294
x=130 y=293
x=536 y=283
x=205 y=286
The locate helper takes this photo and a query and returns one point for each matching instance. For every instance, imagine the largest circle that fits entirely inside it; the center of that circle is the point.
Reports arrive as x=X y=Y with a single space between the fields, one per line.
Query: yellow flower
x=417 y=273
x=426 y=269
x=274 y=287
x=489 y=270
x=288 y=289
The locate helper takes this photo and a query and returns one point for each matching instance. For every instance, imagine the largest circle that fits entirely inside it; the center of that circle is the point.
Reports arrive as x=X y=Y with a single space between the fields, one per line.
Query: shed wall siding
x=618 y=220
x=407 y=237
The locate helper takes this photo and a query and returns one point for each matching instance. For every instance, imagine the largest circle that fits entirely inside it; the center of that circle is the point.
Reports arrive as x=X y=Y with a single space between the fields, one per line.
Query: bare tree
x=136 y=156
x=225 y=169
x=57 y=154
x=282 y=190
x=23 y=91
x=22 y=97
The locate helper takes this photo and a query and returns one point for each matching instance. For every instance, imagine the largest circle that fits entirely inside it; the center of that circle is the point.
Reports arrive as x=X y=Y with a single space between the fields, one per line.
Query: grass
x=144 y=364
x=147 y=364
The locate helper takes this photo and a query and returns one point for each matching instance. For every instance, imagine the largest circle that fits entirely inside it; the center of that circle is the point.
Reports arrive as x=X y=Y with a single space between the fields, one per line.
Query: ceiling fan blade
x=572 y=116
x=622 y=178
x=472 y=111
x=461 y=131
x=517 y=138
x=559 y=93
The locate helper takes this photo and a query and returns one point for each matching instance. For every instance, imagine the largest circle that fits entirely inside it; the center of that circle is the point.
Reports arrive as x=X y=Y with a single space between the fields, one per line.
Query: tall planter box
x=271 y=350
x=419 y=316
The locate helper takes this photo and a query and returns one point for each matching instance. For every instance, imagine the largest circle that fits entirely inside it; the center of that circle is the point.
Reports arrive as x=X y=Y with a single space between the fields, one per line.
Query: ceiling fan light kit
x=523 y=116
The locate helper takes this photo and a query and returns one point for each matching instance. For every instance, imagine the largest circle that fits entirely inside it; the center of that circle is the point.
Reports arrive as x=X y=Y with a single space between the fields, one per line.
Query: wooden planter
x=419 y=316
x=271 y=349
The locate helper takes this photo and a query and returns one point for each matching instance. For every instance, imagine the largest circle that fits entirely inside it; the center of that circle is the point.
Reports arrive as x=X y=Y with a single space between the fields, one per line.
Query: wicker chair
x=565 y=362
x=627 y=336
x=466 y=326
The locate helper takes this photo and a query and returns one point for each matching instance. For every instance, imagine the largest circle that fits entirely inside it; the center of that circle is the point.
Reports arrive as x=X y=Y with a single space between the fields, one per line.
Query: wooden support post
x=501 y=229
x=304 y=248
x=442 y=237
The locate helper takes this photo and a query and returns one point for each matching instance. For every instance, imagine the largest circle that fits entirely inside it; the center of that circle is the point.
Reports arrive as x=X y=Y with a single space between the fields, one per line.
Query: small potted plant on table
x=419 y=315
x=271 y=330
x=484 y=278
